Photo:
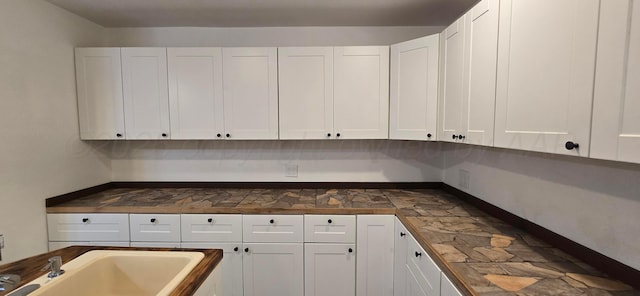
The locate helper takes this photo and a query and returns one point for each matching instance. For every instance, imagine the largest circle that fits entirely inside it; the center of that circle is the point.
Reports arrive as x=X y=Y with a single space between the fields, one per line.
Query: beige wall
x=40 y=151
x=595 y=203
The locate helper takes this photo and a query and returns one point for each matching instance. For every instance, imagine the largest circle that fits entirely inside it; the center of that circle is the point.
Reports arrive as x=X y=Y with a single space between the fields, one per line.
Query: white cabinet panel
x=306 y=92
x=545 y=74
x=273 y=228
x=480 y=66
x=88 y=227
x=374 y=246
x=172 y=245
x=423 y=270
x=59 y=245
x=250 y=93
x=273 y=269
x=211 y=228
x=452 y=78
x=154 y=228
x=99 y=84
x=146 y=94
x=414 y=89
x=330 y=228
x=361 y=94
x=447 y=288
x=230 y=268
x=195 y=93
x=329 y=270
x=616 y=110
x=401 y=240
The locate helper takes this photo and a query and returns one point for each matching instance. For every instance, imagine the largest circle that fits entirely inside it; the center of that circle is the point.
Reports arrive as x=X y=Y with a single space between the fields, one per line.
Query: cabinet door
x=230 y=267
x=195 y=93
x=146 y=94
x=273 y=269
x=545 y=74
x=421 y=270
x=329 y=269
x=481 y=51
x=306 y=92
x=361 y=95
x=374 y=244
x=452 y=43
x=99 y=84
x=414 y=89
x=401 y=238
x=250 y=93
x=447 y=288
x=616 y=110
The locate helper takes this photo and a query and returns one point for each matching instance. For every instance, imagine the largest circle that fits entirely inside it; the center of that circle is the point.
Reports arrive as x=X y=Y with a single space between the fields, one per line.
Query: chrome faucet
x=55 y=263
x=8 y=282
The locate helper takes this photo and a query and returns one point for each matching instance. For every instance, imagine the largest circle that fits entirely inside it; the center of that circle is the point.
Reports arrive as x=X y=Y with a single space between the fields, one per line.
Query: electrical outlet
x=464 y=178
x=291 y=170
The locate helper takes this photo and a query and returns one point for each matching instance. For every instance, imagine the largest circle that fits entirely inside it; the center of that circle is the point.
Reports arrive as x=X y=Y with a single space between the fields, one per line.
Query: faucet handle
x=54 y=264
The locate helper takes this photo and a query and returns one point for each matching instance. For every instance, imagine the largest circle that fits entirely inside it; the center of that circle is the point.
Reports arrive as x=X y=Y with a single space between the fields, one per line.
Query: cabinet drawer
x=423 y=268
x=330 y=228
x=272 y=228
x=174 y=245
x=88 y=227
x=211 y=228
x=155 y=228
x=59 y=245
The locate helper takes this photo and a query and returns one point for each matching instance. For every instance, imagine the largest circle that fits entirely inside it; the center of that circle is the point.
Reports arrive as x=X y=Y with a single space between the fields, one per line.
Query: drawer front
x=422 y=266
x=88 y=227
x=272 y=228
x=155 y=228
x=175 y=245
x=211 y=228
x=59 y=245
x=330 y=228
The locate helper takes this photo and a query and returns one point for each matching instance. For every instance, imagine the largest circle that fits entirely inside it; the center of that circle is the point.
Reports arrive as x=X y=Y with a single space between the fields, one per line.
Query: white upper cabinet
x=306 y=92
x=195 y=93
x=452 y=78
x=616 y=110
x=146 y=94
x=414 y=89
x=546 y=65
x=250 y=93
x=361 y=94
x=99 y=83
x=479 y=84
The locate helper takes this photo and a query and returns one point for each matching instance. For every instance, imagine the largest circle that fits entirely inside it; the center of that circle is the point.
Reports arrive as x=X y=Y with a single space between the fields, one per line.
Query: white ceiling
x=266 y=13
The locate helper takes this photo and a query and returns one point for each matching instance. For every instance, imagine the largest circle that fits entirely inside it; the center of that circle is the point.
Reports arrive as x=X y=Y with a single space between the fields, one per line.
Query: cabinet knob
x=350 y=250
x=85 y=220
x=210 y=220
x=428 y=136
x=119 y=135
x=228 y=135
x=153 y=220
x=246 y=250
x=338 y=135
x=418 y=254
x=329 y=135
x=236 y=249
x=571 y=145
x=461 y=137
x=454 y=137
x=164 y=135
x=218 y=135
x=402 y=234
x=329 y=221
x=272 y=221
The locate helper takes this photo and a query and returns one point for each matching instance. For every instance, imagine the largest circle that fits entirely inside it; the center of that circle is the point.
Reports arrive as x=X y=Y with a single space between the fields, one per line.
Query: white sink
x=109 y=272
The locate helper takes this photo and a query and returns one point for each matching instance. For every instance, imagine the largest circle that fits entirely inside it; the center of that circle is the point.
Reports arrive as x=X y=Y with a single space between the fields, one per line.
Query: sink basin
x=112 y=272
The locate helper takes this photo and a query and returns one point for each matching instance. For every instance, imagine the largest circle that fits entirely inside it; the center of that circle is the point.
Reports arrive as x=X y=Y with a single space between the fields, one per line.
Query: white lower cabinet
x=59 y=245
x=447 y=288
x=230 y=268
x=374 y=246
x=401 y=240
x=423 y=275
x=273 y=269
x=329 y=270
x=154 y=228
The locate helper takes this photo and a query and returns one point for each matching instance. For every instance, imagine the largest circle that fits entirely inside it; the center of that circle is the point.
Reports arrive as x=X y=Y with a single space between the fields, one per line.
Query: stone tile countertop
x=486 y=255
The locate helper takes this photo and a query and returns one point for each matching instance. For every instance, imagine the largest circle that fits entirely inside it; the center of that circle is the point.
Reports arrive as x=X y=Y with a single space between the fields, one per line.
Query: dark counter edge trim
x=610 y=266
x=60 y=199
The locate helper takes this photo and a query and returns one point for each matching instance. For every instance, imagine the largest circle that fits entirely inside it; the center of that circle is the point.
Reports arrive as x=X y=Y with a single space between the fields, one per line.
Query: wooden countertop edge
x=444 y=265
x=29 y=268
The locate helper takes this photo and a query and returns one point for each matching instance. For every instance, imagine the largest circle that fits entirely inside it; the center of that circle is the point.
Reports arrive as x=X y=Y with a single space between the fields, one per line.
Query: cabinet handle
x=418 y=254
x=329 y=135
x=228 y=135
x=571 y=145
x=210 y=220
x=164 y=135
x=85 y=220
x=236 y=249
x=329 y=221
x=350 y=250
x=246 y=250
x=153 y=220
x=218 y=135
x=272 y=221
x=428 y=136
x=338 y=135
x=119 y=135
x=402 y=234
x=454 y=137
x=461 y=137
